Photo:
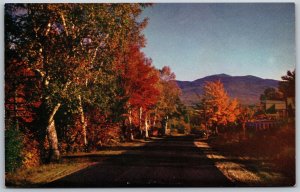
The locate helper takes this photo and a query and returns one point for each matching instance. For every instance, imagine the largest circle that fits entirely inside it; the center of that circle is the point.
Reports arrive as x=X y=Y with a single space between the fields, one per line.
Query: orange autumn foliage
x=220 y=109
x=140 y=79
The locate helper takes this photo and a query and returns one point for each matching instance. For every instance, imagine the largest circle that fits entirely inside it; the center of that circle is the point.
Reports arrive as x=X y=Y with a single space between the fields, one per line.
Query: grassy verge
x=36 y=176
x=269 y=151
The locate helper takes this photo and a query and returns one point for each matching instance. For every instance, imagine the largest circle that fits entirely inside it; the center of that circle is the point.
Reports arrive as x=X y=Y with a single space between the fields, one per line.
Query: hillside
x=247 y=89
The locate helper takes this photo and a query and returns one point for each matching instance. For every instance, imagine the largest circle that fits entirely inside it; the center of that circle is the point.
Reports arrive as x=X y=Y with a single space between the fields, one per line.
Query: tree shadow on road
x=168 y=162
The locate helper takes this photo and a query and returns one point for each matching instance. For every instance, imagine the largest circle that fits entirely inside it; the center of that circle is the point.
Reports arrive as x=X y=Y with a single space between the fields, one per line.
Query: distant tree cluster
x=286 y=88
x=271 y=94
x=284 y=92
x=75 y=77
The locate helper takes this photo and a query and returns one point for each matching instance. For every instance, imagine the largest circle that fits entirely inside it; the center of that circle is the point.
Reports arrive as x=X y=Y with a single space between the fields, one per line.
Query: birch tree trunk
x=130 y=124
x=166 y=124
x=54 y=154
x=146 y=126
x=51 y=133
x=140 y=120
x=154 y=119
x=82 y=121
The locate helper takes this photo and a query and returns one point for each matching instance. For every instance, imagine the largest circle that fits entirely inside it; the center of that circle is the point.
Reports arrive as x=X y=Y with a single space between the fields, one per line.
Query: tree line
x=75 y=75
x=216 y=110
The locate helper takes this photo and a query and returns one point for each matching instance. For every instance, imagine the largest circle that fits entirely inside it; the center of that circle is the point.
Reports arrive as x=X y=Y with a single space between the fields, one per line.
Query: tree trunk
x=166 y=124
x=146 y=126
x=54 y=154
x=244 y=130
x=82 y=121
x=216 y=130
x=130 y=124
x=140 y=121
x=154 y=119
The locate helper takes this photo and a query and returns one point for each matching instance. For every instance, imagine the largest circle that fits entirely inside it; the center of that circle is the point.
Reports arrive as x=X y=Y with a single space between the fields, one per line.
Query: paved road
x=169 y=162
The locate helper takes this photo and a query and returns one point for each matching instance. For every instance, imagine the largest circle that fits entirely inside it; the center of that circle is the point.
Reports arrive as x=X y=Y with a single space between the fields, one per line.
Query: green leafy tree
x=168 y=103
x=246 y=114
x=271 y=94
x=287 y=85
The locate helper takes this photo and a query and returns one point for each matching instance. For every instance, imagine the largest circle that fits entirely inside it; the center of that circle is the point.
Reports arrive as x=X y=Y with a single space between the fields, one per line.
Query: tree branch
x=64 y=23
x=95 y=53
x=53 y=113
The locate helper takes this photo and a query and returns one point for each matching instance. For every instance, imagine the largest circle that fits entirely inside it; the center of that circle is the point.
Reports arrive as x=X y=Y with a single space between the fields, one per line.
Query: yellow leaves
x=30 y=153
x=215 y=90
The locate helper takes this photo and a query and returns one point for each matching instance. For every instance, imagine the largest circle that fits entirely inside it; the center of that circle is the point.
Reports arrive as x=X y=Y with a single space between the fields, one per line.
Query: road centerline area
x=172 y=161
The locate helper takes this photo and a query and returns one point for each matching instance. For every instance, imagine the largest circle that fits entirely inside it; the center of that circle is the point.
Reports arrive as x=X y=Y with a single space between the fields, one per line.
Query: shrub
x=30 y=151
x=13 y=148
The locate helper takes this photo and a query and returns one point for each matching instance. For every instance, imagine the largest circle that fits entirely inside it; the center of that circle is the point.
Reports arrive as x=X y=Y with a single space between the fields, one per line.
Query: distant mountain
x=247 y=89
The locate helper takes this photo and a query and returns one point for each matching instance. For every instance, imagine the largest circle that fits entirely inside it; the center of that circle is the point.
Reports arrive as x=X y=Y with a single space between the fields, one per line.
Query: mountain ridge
x=247 y=89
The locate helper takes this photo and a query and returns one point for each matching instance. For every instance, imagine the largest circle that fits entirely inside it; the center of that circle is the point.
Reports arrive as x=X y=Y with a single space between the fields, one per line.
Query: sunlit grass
x=273 y=149
x=100 y=153
x=235 y=172
x=215 y=156
x=238 y=172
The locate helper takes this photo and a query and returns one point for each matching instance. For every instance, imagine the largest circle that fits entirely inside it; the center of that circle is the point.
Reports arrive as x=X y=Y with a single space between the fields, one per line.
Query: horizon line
x=230 y=76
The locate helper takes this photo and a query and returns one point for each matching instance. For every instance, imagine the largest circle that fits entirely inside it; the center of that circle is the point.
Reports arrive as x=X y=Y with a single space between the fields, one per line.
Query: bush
x=31 y=154
x=13 y=148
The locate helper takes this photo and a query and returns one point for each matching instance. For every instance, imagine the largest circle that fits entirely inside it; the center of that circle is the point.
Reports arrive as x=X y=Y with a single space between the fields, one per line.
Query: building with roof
x=276 y=109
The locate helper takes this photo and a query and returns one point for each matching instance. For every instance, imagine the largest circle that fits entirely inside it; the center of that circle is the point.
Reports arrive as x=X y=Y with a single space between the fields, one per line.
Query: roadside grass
x=272 y=152
x=70 y=163
x=36 y=176
x=175 y=134
x=243 y=171
x=95 y=153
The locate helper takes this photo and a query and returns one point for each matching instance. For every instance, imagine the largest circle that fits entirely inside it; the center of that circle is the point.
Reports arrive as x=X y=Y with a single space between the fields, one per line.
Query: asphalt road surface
x=167 y=162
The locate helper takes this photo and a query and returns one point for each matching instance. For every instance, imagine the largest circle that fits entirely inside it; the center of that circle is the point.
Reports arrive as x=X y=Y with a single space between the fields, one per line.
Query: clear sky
x=198 y=40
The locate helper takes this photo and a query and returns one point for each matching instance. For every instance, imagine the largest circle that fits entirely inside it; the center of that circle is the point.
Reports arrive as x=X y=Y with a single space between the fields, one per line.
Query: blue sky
x=197 y=40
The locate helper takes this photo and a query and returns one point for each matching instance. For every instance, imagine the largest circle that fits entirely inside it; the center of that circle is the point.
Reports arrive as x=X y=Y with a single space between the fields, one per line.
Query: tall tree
x=72 y=48
x=140 y=82
x=219 y=110
x=287 y=85
x=167 y=105
x=246 y=114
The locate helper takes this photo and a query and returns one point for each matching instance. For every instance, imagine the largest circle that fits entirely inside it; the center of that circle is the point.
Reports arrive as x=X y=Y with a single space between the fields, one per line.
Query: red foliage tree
x=140 y=84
